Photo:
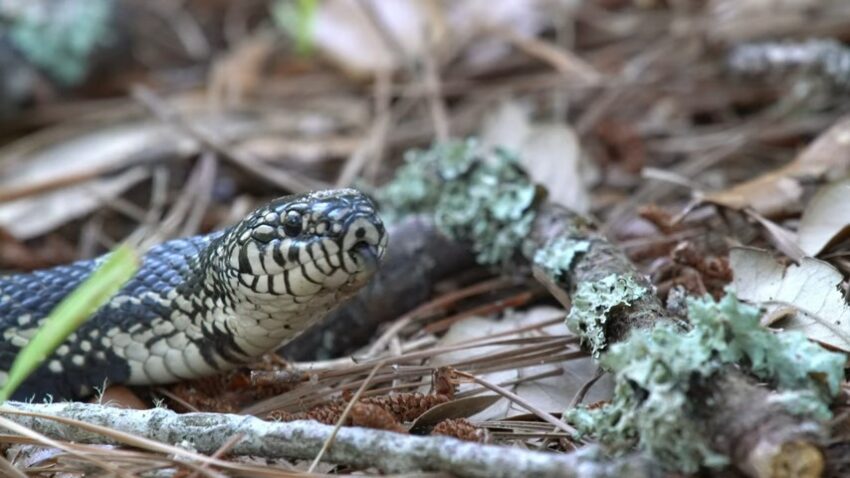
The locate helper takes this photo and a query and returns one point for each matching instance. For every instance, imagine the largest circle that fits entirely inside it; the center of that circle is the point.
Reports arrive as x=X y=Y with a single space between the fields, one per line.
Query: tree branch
x=742 y=419
x=388 y=451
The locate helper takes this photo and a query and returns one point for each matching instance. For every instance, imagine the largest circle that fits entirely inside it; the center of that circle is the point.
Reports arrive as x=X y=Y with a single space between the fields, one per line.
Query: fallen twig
x=738 y=419
x=741 y=418
x=389 y=451
x=288 y=180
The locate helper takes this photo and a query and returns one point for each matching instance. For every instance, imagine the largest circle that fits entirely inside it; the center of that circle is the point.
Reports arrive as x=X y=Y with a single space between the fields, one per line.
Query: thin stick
x=224 y=448
x=11 y=193
x=22 y=430
x=113 y=434
x=438 y=303
x=287 y=180
x=564 y=61
x=356 y=446
x=203 y=196
x=173 y=397
x=344 y=416
x=9 y=470
x=439 y=115
x=547 y=417
x=371 y=148
x=513 y=301
x=585 y=387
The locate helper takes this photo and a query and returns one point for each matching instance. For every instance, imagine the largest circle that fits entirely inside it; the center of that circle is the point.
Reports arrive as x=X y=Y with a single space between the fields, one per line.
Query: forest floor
x=705 y=141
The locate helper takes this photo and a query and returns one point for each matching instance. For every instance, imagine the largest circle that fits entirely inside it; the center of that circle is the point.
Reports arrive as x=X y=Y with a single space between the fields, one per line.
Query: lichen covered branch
x=678 y=389
x=687 y=393
x=388 y=451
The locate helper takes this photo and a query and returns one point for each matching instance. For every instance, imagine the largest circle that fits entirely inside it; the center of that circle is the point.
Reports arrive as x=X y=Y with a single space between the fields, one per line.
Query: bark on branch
x=743 y=420
x=388 y=451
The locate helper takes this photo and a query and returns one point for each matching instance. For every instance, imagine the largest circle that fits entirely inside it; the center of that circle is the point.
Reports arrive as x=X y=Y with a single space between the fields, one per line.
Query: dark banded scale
x=202 y=304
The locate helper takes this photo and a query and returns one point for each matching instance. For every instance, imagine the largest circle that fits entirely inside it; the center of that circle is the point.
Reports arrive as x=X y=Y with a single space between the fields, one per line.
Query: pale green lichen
x=477 y=195
x=655 y=372
x=803 y=403
x=557 y=256
x=57 y=36
x=788 y=358
x=594 y=301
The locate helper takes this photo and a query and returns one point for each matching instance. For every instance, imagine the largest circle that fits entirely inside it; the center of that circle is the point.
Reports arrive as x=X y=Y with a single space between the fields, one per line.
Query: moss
x=58 y=39
x=656 y=371
x=476 y=195
x=593 y=302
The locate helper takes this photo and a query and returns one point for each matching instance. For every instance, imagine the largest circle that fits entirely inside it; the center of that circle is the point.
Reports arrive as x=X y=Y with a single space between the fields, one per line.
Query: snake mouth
x=366 y=255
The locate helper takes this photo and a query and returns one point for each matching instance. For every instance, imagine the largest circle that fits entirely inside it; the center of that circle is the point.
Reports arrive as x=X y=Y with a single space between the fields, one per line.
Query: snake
x=200 y=305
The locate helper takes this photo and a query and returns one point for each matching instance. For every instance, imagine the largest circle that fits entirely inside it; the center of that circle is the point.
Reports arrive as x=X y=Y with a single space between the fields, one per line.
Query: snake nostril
x=360 y=233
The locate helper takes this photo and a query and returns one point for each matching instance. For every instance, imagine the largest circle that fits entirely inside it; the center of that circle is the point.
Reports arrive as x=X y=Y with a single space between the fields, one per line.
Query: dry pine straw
x=378 y=408
x=321 y=390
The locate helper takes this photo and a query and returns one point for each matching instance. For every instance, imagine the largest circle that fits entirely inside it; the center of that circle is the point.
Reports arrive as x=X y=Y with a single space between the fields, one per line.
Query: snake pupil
x=292 y=223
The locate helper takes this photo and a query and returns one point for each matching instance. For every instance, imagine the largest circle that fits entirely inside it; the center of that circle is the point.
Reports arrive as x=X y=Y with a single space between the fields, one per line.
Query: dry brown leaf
x=550 y=152
x=365 y=37
x=476 y=23
x=784 y=240
x=58 y=174
x=460 y=408
x=826 y=218
x=507 y=125
x=812 y=288
x=30 y=217
x=85 y=151
x=552 y=157
x=780 y=191
x=121 y=397
x=362 y=45
x=239 y=72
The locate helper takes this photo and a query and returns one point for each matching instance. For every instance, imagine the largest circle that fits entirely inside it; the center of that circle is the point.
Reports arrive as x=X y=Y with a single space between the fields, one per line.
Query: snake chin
x=306 y=246
x=367 y=258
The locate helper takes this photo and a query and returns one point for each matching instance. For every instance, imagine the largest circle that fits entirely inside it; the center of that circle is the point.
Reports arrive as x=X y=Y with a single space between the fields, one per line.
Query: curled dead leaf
x=459 y=408
x=550 y=152
x=812 y=288
x=780 y=191
x=826 y=218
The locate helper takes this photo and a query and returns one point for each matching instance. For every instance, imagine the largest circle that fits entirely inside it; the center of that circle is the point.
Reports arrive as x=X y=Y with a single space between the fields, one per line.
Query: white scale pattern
x=277 y=300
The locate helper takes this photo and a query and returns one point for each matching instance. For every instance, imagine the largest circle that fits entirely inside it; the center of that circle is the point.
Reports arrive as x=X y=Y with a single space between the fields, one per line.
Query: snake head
x=307 y=245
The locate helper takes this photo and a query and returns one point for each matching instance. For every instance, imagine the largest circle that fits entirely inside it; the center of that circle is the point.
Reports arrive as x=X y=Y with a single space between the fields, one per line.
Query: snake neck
x=245 y=322
x=202 y=304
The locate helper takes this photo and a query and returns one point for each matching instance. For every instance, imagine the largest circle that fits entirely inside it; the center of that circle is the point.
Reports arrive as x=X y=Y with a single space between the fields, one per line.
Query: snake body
x=202 y=304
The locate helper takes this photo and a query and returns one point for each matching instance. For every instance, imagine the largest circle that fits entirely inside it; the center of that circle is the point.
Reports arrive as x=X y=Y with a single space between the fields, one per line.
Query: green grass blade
x=71 y=312
x=296 y=18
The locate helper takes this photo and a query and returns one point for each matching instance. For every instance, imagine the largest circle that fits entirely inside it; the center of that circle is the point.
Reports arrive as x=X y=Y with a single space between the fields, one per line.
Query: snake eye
x=292 y=223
